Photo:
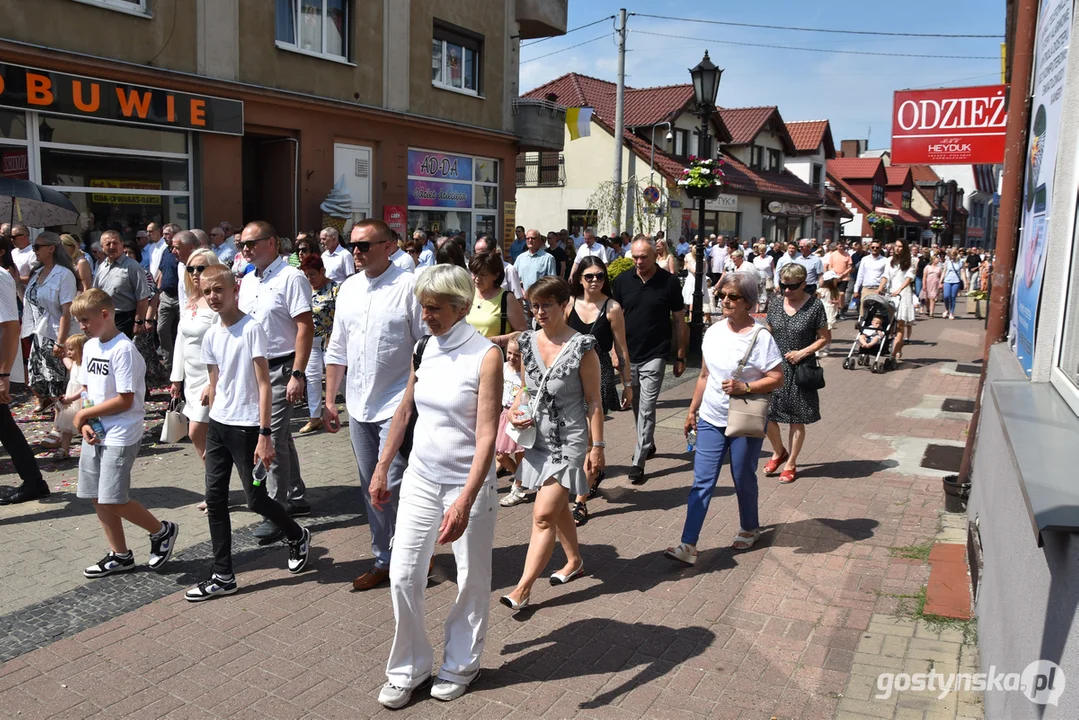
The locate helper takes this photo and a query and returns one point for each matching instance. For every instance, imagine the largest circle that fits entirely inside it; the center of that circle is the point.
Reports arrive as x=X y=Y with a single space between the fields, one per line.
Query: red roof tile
x=897 y=174
x=745 y=124
x=742 y=179
x=808 y=135
x=854 y=168
x=648 y=106
x=922 y=174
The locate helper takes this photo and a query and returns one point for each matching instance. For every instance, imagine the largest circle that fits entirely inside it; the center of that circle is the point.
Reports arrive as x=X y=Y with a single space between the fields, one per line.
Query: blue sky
x=853 y=91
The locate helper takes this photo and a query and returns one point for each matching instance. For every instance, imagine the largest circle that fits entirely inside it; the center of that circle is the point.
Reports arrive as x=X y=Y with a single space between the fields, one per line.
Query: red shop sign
x=951 y=125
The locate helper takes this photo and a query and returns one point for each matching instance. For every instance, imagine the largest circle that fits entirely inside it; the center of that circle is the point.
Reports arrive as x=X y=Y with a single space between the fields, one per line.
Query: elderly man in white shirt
x=512 y=280
x=335 y=259
x=400 y=258
x=278 y=297
x=376 y=327
x=427 y=254
x=590 y=248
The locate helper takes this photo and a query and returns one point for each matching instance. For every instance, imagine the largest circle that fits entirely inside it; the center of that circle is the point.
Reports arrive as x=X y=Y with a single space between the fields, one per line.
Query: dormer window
x=878 y=195
x=775 y=160
x=906 y=199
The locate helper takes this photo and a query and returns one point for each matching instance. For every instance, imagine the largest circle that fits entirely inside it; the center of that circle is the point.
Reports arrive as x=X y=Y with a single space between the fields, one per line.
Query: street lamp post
x=706 y=77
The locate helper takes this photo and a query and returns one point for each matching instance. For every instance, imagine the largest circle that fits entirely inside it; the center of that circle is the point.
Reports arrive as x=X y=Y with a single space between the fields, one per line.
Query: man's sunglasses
x=594 y=277
x=362 y=245
x=790 y=286
x=195 y=269
x=246 y=244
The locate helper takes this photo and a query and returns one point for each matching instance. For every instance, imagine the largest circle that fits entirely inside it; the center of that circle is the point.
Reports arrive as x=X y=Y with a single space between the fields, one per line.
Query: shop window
x=66 y=168
x=681 y=143
x=878 y=195
x=317 y=27
x=12 y=125
x=456 y=56
x=59 y=130
x=775 y=160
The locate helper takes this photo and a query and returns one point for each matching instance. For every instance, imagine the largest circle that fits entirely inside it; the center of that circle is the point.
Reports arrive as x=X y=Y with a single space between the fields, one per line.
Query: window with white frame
x=456 y=59
x=318 y=27
x=131 y=6
x=1066 y=373
x=681 y=143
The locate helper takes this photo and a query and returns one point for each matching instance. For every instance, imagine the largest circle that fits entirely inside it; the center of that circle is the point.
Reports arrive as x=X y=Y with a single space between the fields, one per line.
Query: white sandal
x=745 y=542
x=683 y=553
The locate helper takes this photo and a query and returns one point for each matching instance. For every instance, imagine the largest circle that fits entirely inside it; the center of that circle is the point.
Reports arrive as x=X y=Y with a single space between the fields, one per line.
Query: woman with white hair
x=189 y=374
x=739 y=357
x=448 y=494
x=46 y=316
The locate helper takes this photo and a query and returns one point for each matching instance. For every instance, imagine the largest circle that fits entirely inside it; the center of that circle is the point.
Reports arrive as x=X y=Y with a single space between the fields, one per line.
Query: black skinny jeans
x=228 y=446
x=14 y=442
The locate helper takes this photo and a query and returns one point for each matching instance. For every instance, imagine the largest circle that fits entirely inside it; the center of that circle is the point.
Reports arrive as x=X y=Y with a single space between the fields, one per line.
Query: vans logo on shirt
x=98 y=366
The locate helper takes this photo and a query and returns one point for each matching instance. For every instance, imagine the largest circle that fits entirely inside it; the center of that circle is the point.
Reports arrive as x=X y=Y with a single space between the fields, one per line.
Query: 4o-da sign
x=952 y=125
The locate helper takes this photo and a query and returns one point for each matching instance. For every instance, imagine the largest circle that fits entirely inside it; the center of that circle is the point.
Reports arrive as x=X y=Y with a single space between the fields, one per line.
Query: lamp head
x=706 y=77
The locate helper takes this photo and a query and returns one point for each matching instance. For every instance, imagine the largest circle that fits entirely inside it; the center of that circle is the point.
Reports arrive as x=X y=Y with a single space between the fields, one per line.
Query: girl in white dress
x=898 y=282
x=189 y=373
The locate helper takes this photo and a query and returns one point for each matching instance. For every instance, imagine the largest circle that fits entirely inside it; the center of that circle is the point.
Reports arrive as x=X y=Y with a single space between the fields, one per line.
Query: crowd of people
x=512 y=361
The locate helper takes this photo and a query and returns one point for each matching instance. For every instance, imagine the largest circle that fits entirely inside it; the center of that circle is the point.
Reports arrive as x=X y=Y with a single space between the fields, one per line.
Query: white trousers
x=422 y=506
x=314 y=371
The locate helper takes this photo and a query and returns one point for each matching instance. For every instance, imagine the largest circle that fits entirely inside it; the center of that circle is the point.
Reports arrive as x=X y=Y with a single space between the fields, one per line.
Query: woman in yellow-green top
x=495 y=313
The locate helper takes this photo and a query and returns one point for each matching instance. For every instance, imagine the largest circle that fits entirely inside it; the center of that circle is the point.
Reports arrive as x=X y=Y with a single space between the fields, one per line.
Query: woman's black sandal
x=580 y=513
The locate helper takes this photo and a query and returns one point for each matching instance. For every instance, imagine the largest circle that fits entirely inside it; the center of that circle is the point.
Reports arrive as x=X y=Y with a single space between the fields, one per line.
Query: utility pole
x=619 y=122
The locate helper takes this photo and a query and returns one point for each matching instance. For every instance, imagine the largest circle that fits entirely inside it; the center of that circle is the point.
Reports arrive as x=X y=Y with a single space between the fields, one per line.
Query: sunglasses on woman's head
x=594 y=277
x=790 y=286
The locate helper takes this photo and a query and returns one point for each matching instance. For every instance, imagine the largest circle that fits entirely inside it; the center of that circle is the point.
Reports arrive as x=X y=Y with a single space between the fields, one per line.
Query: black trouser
x=14 y=442
x=226 y=446
x=811 y=290
x=125 y=322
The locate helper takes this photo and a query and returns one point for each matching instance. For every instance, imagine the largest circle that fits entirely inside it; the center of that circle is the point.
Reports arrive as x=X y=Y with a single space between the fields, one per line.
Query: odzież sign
x=952 y=125
x=26 y=88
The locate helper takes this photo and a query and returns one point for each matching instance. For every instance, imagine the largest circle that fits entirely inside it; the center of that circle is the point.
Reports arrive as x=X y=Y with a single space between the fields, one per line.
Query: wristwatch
x=299 y=375
x=266 y=432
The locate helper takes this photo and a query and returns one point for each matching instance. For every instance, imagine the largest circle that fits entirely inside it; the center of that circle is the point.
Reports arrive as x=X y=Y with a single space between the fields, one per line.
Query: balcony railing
x=548 y=170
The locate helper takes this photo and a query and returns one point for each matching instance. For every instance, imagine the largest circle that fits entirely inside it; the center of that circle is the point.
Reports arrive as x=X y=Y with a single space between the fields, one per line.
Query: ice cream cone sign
x=337 y=208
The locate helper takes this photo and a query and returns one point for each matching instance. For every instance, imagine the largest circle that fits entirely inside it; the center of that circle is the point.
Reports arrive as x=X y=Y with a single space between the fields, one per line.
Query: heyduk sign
x=59 y=93
x=951 y=125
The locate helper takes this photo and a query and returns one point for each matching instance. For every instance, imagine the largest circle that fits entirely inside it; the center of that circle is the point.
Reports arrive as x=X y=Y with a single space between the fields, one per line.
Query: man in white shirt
x=590 y=248
x=33 y=485
x=183 y=244
x=427 y=254
x=512 y=280
x=376 y=327
x=337 y=261
x=22 y=252
x=786 y=259
x=578 y=239
x=222 y=246
x=278 y=297
x=717 y=259
x=870 y=272
x=812 y=263
x=400 y=258
x=683 y=248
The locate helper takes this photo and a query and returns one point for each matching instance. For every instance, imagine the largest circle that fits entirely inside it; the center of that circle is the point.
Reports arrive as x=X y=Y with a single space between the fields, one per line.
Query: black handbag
x=410 y=430
x=809 y=375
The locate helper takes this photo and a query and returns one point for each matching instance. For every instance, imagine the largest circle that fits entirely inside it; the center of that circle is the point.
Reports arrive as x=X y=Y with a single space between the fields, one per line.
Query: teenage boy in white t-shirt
x=113 y=376
x=240 y=398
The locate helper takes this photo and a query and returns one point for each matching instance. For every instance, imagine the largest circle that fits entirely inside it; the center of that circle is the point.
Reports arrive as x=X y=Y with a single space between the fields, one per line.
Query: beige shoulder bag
x=747 y=415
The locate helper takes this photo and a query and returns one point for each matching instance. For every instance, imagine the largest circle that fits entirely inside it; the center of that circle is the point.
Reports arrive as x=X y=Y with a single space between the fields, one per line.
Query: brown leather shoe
x=371 y=579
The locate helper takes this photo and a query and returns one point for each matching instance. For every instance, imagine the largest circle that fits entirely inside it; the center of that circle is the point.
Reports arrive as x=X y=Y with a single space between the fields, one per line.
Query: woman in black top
x=594 y=312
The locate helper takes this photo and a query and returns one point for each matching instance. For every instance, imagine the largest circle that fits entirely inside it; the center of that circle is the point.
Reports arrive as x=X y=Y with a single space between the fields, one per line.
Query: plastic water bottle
x=95 y=423
x=691 y=441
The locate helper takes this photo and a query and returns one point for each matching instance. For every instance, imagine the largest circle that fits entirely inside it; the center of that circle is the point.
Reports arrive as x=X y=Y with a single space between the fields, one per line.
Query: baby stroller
x=879 y=359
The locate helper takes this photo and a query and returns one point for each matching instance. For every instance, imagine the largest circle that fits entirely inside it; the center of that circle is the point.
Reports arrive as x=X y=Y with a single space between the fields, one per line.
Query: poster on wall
x=396 y=217
x=509 y=220
x=1051 y=56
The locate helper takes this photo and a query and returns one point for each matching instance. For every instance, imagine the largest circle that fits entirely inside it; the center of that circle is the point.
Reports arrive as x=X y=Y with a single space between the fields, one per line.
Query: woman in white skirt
x=448 y=493
x=898 y=281
x=562 y=374
x=189 y=373
x=690 y=285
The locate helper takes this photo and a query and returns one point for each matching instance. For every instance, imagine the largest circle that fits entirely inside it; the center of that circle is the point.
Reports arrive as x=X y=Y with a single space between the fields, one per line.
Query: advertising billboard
x=950 y=125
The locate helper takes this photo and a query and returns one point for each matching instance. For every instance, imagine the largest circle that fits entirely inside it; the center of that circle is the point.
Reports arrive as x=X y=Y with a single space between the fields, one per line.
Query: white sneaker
x=394 y=697
x=447 y=690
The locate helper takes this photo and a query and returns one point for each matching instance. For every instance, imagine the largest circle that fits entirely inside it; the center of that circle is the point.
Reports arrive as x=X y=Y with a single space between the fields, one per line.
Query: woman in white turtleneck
x=448 y=494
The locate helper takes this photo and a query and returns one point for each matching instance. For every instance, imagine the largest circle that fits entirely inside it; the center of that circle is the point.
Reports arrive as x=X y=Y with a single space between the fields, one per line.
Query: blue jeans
x=951 y=290
x=918 y=286
x=712 y=447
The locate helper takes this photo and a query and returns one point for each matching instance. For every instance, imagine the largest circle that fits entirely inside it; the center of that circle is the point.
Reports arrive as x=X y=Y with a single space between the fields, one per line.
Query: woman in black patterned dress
x=800 y=328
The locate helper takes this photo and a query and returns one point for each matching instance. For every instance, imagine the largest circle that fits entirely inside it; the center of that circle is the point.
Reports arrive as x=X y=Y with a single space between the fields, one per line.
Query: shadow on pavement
x=67 y=505
x=845 y=469
x=818 y=535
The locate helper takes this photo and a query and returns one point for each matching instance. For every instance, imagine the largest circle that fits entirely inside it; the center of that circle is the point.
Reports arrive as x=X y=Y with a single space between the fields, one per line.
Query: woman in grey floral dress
x=568 y=412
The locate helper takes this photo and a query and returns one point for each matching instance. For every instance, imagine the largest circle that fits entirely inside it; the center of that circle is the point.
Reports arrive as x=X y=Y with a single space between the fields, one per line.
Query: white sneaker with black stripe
x=110 y=565
x=298 y=552
x=211 y=588
x=162 y=545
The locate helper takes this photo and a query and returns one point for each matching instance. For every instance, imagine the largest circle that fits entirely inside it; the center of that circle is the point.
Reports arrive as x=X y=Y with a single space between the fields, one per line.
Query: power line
x=582 y=27
x=944 y=83
x=820 y=30
x=821 y=50
x=571 y=47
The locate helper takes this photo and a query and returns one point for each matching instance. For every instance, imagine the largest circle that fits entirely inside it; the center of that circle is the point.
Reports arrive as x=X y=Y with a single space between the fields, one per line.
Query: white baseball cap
x=829 y=275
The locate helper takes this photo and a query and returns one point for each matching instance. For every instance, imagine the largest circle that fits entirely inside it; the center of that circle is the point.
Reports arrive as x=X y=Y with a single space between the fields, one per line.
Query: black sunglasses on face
x=594 y=277
x=362 y=246
x=790 y=286
x=729 y=296
x=195 y=269
x=252 y=243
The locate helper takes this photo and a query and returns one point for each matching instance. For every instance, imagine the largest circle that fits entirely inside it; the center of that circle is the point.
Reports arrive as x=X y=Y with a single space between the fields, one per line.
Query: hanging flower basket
x=703 y=178
x=938 y=224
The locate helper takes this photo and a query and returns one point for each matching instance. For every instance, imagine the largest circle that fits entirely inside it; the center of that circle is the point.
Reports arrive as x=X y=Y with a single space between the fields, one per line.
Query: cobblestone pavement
x=786 y=629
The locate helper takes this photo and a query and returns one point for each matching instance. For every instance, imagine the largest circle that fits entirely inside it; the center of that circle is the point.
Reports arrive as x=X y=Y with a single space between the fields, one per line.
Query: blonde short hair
x=793 y=272
x=446 y=282
x=93 y=300
x=189 y=281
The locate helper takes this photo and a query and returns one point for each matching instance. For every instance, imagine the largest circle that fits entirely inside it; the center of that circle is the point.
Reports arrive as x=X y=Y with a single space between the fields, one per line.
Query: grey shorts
x=105 y=472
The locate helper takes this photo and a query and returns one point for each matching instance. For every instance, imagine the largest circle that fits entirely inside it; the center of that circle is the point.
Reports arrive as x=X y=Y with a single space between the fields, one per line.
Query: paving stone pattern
x=773 y=631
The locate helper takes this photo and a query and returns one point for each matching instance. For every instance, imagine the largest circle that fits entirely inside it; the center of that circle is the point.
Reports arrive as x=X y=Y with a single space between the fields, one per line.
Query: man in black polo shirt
x=649 y=298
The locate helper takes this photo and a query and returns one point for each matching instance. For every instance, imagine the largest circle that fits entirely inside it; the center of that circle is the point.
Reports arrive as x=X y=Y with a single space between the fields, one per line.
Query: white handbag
x=174 y=428
x=526 y=437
